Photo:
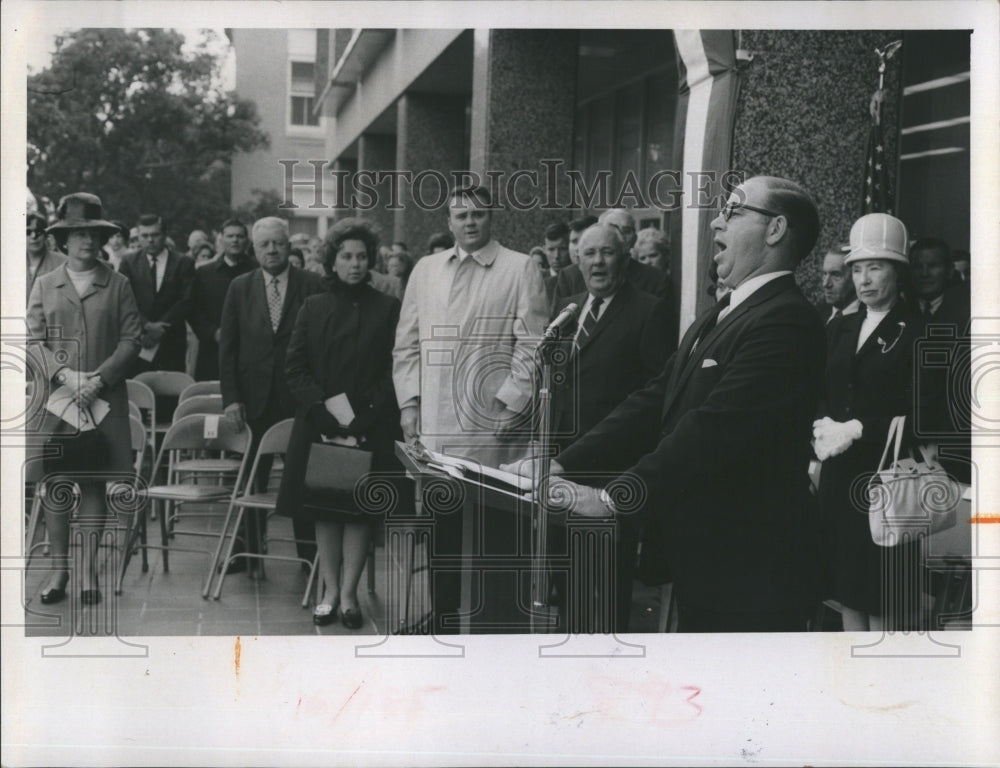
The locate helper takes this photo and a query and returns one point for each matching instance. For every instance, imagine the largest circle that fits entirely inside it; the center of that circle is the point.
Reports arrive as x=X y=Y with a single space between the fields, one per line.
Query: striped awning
x=706 y=108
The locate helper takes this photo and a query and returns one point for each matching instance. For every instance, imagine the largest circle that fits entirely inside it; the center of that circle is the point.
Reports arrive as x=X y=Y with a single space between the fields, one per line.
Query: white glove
x=831 y=438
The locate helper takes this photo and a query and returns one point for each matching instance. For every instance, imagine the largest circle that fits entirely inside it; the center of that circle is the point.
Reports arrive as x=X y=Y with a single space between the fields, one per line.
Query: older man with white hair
x=646 y=278
x=257 y=319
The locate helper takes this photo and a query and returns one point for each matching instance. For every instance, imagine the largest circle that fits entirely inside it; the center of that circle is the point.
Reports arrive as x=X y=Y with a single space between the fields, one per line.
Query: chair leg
x=131 y=533
x=33 y=518
x=164 y=537
x=224 y=563
x=370 y=567
x=142 y=537
x=311 y=581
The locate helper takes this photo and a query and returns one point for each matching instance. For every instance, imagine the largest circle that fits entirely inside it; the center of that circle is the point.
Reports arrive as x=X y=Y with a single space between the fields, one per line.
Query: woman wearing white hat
x=869 y=380
x=85 y=326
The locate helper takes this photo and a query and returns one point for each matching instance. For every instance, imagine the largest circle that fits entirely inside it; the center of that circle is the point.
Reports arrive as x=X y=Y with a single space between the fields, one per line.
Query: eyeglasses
x=36 y=232
x=727 y=210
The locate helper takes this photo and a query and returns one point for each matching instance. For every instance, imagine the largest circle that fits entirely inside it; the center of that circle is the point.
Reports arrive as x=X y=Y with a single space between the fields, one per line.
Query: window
x=302 y=94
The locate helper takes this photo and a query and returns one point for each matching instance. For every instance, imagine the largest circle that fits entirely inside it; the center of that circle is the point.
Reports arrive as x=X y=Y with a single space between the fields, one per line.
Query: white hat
x=878 y=236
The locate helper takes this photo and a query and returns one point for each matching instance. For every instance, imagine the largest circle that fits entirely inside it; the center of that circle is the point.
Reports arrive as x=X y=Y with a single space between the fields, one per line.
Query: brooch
x=887 y=348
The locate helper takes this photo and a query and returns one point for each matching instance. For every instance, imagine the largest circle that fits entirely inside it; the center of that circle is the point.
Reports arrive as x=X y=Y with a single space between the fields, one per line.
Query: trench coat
x=466 y=338
x=97 y=332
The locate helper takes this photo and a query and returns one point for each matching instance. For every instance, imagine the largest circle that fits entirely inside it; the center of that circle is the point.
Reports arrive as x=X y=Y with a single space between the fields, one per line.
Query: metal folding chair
x=165 y=384
x=196 y=432
x=274 y=442
x=137 y=521
x=201 y=388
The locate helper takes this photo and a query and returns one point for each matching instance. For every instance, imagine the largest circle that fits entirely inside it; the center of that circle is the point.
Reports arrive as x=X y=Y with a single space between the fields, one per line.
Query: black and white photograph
x=435 y=383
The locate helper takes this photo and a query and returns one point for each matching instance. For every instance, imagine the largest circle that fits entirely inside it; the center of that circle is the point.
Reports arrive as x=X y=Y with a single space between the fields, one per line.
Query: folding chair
x=198 y=404
x=214 y=467
x=137 y=522
x=189 y=434
x=165 y=384
x=273 y=443
x=201 y=388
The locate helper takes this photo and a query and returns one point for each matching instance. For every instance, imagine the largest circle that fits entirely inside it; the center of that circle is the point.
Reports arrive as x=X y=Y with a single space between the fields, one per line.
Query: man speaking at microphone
x=719 y=442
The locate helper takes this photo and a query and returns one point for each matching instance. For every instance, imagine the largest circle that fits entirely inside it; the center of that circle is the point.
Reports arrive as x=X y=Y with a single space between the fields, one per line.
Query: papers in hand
x=463 y=469
x=148 y=353
x=340 y=408
x=62 y=404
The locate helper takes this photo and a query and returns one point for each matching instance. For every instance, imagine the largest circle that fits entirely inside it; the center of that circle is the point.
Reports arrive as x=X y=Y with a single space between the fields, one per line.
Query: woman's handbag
x=335 y=476
x=910 y=496
x=80 y=451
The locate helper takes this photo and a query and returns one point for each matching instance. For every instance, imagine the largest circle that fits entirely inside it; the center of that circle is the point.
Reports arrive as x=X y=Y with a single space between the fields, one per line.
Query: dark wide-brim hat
x=82 y=210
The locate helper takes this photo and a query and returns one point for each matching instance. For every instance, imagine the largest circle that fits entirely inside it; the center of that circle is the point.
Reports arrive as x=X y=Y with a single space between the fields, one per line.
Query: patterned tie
x=274 y=304
x=590 y=320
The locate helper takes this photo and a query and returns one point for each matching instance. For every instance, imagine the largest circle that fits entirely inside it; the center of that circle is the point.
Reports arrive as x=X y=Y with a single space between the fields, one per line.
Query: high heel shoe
x=324 y=614
x=351 y=618
x=52 y=595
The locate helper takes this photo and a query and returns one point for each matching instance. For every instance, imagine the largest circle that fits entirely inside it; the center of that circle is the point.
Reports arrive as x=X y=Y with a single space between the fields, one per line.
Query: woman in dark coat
x=84 y=321
x=869 y=380
x=342 y=345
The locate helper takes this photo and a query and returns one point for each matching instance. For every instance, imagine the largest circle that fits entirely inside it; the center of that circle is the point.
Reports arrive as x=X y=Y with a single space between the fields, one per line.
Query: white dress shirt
x=747 y=288
x=586 y=310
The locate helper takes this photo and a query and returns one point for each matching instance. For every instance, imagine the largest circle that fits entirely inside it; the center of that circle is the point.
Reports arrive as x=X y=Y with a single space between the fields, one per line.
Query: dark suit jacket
x=168 y=305
x=720 y=442
x=251 y=353
x=208 y=293
x=341 y=343
x=626 y=349
x=569 y=282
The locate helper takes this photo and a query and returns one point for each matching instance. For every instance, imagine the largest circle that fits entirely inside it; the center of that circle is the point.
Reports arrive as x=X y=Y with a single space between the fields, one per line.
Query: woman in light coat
x=85 y=328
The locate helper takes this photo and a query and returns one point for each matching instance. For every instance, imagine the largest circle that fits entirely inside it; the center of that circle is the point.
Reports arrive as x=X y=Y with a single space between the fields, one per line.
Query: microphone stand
x=542 y=618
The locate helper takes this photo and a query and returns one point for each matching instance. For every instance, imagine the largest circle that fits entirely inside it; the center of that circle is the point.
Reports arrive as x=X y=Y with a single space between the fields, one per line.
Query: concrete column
x=430 y=137
x=376 y=152
x=523 y=103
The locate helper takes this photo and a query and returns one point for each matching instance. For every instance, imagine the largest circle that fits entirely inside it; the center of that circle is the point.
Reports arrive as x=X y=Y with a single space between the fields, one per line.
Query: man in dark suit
x=720 y=441
x=644 y=277
x=839 y=297
x=161 y=281
x=937 y=298
x=257 y=319
x=619 y=343
x=211 y=282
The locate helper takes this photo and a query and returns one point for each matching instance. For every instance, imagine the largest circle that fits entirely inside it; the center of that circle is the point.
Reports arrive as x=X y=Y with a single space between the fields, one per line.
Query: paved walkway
x=157 y=603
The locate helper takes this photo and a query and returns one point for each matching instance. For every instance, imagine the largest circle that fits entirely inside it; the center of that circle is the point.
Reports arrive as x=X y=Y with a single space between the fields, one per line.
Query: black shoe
x=324 y=614
x=351 y=618
x=90 y=596
x=57 y=594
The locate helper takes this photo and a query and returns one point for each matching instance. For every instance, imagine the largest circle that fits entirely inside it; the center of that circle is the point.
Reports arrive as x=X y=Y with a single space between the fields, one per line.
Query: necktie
x=152 y=267
x=590 y=320
x=274 y=304
x=833 y=315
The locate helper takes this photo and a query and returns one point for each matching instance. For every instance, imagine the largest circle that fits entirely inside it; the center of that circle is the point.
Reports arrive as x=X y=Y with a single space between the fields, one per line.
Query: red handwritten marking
x=691 y=699
x=985 y=519
x=236 y=656
x=348 y=700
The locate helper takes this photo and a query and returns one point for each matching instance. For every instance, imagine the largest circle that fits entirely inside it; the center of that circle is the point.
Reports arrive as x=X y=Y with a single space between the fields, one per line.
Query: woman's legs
x=329 y=544
x=91 y=512
x=92 y=515
x=356 y=538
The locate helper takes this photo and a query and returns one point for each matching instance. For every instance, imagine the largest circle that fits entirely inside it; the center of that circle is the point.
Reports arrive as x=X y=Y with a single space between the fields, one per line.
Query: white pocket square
x=708 y=363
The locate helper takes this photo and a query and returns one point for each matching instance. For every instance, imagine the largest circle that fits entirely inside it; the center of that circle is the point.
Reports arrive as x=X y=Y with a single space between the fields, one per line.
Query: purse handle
x=895 y=431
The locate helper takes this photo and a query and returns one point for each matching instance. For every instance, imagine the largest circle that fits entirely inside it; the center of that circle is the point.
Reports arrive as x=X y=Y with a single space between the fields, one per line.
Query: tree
x=265 y=202
x=134 y=118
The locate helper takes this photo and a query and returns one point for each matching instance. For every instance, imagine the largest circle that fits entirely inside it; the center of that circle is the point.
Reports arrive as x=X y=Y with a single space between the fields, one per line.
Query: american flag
x=875 y=192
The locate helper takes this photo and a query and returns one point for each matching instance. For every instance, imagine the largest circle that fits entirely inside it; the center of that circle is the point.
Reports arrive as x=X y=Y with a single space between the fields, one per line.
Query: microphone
x=569 y=313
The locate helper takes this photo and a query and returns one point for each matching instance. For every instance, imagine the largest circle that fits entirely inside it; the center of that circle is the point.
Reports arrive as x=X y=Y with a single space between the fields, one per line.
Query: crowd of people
x=363 y=344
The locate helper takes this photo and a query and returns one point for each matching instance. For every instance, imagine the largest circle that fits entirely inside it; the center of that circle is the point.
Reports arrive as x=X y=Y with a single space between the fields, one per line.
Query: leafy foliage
x=133 y=117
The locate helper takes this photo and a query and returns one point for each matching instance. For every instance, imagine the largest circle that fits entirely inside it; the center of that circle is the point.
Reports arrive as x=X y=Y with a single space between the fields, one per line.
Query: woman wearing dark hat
x=342 y=346
x=869 y=378
x=85 y=326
